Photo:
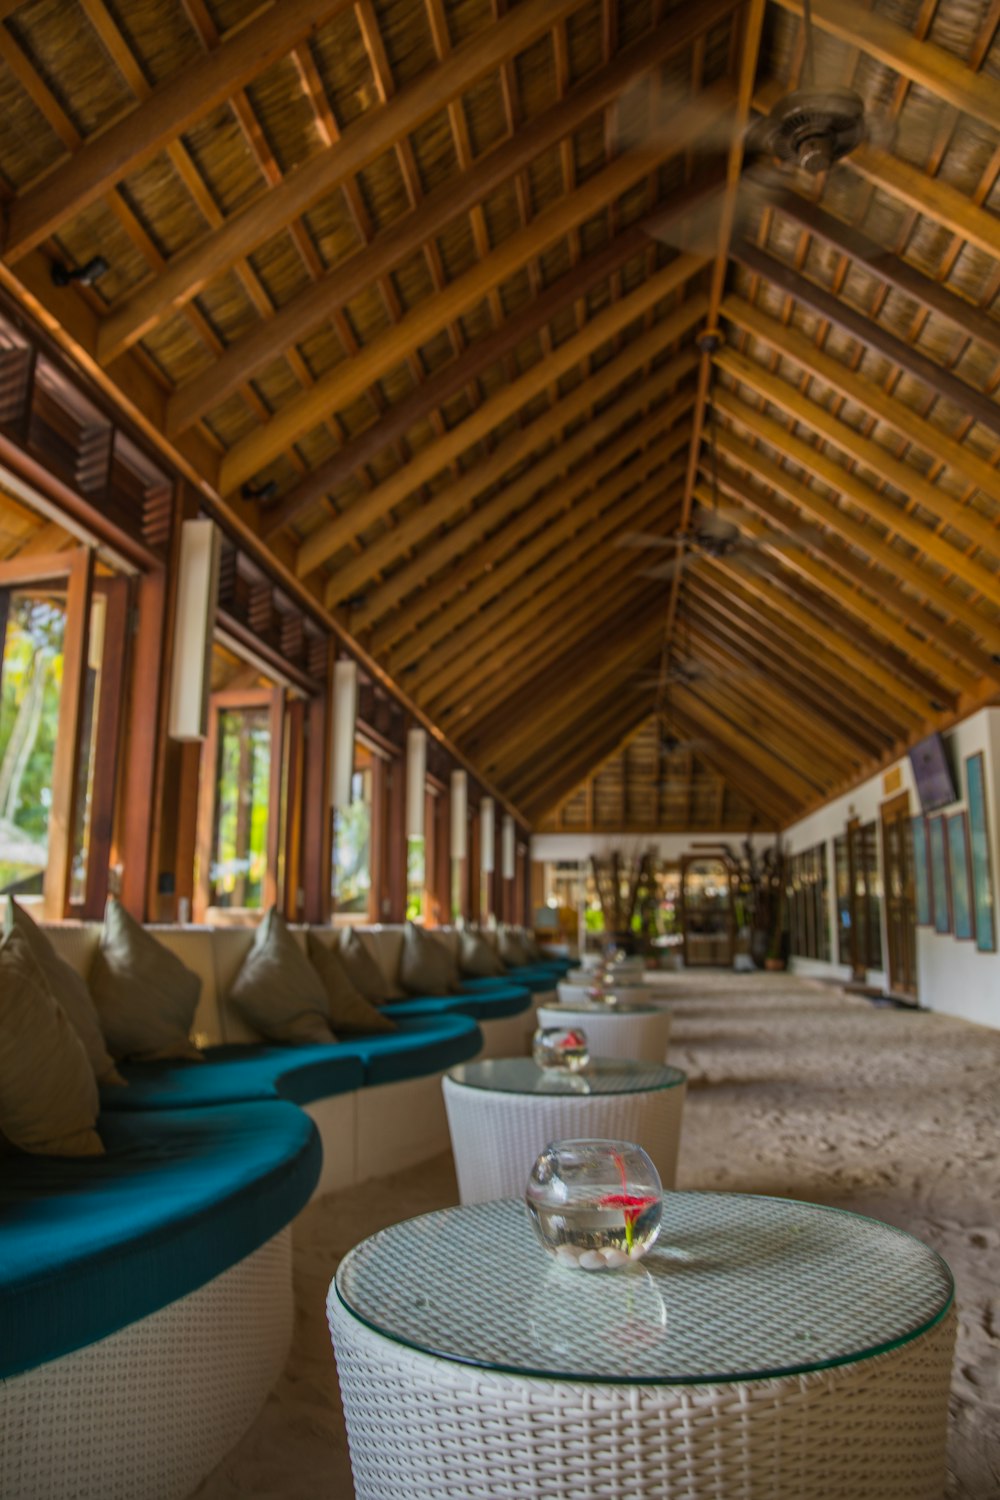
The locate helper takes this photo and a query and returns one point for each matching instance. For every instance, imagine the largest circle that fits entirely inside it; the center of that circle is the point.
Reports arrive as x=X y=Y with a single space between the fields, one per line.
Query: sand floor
x=795 y=1088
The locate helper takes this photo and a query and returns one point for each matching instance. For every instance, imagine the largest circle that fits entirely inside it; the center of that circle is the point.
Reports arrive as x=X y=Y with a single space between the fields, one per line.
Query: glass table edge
x=784 y=1372
x=479 y=1088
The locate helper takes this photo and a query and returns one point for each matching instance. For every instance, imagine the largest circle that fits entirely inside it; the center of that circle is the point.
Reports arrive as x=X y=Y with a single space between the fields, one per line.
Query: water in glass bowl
x=595 y=1205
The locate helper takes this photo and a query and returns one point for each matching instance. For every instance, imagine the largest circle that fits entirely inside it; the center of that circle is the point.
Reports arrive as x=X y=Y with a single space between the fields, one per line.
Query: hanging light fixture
x=416 y=778
x=459 y=814
x=344 y=718
x=507 y=848
x=487 y=831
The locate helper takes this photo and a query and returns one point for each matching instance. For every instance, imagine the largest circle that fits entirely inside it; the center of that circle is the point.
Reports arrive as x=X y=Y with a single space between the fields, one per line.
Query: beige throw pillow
x=278 y=991
x=426 y=967
x=69 y=990
x=145 y=997
x=477 y=959
x=48 y=1092
x=350 y=1013
x=512 y=947
x=364 y=971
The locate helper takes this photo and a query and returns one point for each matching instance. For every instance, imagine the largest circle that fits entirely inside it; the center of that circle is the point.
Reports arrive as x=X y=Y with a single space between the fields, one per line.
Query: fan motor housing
x=812 y=128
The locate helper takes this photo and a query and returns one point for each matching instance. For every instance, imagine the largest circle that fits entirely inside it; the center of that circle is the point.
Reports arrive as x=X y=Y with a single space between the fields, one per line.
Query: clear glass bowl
x=562 y=1047
x=595 y=1205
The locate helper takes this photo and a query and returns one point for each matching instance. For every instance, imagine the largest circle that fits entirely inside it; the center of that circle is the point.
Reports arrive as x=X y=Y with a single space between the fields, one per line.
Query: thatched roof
x=413 y=288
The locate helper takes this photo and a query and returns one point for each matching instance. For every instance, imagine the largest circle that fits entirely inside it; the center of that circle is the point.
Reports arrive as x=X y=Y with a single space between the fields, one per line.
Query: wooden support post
x=317 y=812
x=109 y=711
x=293 y=836
x=65 y=764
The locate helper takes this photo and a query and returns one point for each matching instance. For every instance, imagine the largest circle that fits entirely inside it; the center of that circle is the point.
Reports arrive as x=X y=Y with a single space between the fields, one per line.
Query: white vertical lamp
x=194 y=627
x=507 y=849
x=487 y=824
x=459 y=814
x=344 y=714
x=416 y=778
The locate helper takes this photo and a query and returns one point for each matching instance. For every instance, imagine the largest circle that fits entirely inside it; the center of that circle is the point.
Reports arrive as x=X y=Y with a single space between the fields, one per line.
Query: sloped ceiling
x=414 y=290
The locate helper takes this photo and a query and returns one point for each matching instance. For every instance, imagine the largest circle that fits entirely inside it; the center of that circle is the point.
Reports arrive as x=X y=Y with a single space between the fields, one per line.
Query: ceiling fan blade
x=647 y=539
x=666 y=570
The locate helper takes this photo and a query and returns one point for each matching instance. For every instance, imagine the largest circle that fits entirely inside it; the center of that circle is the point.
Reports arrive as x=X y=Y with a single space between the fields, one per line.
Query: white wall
x=549 y=847
x=952 y=976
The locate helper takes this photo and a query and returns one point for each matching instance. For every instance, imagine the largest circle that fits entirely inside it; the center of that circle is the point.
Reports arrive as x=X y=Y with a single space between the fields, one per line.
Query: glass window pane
x=31 y=688
x=352 y=847
x=243 y=781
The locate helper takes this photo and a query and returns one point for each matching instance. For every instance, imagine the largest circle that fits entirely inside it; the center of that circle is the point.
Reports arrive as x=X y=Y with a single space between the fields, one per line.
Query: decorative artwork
x=939 y=873
x=922 y=873
x=979 y=848
x=960 y=873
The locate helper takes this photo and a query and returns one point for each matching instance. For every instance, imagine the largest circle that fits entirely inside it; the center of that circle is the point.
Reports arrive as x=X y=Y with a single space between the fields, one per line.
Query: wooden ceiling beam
x=821 y=626
x=435 y=392
x=172 y=107
x=501 y=678
x=871 y=503
x=816 y=364
x=549 y=788
x=603 y=665
x=510 y=399
x=649 y=470
x=367 y=138
x=869 y=333
x=772 y=797
x=530 y=634
x=484 y=607
x=520 y=509
x=963 y=316
x=350 y=379
x=742 y=731
x=749 y=613
x=866 y=452
x=931 y=196
x=394 y=245
x=574 y=745
x=777 y=733
x=515 y=608
x=923 y=63
x=836 y=571
x=757 y=652
x=863 y=537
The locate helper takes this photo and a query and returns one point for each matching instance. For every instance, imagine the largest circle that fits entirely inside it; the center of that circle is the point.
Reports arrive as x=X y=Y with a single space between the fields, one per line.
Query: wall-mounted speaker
x=416 y=782
x=459 y=815
x=487 y=832
x=343 y=727
x=507 y=851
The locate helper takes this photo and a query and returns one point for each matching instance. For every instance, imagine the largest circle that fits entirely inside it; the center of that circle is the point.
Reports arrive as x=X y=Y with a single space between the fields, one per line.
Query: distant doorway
x=900 y=910
x=707 y=911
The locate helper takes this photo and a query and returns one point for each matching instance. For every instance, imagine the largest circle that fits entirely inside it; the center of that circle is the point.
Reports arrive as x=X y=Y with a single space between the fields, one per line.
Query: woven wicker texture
x=642 y=1035
x=146 y=1413
x=496 y=1135
x=429 y=1429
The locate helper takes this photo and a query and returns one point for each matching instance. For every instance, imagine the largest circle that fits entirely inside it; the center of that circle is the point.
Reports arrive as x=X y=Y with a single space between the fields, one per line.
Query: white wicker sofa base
x=147 y=1412
x=428 y=1428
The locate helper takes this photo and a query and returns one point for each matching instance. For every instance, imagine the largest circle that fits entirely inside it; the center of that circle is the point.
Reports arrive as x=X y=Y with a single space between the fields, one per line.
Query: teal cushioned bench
x=238 y=1074
x=94 y=1244
x=242 y=1072
x=505 y=999
x=534 y=983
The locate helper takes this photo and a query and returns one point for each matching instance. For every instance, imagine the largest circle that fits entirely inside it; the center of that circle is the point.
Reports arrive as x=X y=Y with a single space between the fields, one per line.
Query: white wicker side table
x=637 y=1032
x=764 y=1350
x=503 y=1112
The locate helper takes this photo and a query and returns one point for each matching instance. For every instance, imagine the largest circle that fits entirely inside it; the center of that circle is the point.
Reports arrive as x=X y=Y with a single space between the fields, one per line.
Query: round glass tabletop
x=603 y=1008
x=736 y=1288
x=519 y=1075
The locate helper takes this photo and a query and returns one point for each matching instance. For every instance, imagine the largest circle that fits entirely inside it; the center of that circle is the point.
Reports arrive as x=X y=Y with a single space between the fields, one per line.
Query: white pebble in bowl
x=638 y=1251
x=568 y=1254
x=615 y=1257
x=592 y=1260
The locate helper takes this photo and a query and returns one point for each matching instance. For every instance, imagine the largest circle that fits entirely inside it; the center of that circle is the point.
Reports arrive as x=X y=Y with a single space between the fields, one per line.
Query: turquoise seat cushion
x=239 y=1074
x=487 y=1005
x=89 y=1246
x=535 y=983
x=423 y=1044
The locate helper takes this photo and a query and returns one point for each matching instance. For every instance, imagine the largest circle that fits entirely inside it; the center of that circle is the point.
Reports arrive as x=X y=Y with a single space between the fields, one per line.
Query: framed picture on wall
x=940 y=885
x=979 y=851
x=922 y=873
x=960 y=875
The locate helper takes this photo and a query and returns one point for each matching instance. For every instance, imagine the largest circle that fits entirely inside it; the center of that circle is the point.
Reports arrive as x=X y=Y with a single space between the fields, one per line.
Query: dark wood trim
x=66 y=760
x=317 y=810
x=110 y=717
x=294 y=809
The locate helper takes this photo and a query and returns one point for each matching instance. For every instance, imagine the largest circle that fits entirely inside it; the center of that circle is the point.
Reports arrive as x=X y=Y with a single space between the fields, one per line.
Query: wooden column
x=65 y=764
x=317 y=812
x=292 y=835
x=393 y=897
x=109 y=711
